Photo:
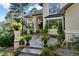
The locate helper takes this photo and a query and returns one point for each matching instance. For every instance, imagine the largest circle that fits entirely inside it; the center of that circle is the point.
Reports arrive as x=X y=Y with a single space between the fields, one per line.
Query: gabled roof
x=38 y=12
x=61 y=12
x=41 y=4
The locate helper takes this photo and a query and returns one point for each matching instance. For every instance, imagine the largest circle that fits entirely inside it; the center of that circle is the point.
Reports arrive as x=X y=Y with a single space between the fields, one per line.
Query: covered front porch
x=54 y=18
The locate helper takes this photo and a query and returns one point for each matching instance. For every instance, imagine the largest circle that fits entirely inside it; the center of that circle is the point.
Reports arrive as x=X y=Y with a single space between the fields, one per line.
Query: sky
x=3 y=11
x=4 y=8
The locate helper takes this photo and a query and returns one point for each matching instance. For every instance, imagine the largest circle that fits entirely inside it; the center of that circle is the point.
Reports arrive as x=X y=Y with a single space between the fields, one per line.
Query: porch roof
x=54 y=15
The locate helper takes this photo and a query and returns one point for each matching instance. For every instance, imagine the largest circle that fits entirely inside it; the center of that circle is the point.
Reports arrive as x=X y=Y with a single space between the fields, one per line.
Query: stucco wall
x=72 y=21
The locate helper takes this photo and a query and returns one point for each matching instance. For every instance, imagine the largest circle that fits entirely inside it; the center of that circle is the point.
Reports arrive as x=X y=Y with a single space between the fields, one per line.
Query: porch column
x=62 y=23
x=28 y=30
x=34 y=20
x=45 y=12
x=44 y=22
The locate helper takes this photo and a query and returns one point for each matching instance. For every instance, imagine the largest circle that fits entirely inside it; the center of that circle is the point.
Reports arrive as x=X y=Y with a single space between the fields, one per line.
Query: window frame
x=52 y=8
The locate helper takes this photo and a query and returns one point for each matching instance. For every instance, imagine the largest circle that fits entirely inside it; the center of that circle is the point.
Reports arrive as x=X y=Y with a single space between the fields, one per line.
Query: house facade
x=68 y=13
x=51 y=13
x=72 y=21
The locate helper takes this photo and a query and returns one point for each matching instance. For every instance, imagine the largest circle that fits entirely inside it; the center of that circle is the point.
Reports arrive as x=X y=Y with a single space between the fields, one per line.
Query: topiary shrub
x=60 y=38
x=17 y=26
x=22 y=40
x=60 y=31
x=61 y=35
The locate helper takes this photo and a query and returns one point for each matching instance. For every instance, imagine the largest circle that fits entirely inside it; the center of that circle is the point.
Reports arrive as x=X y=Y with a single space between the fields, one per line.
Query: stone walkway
x=35 y=46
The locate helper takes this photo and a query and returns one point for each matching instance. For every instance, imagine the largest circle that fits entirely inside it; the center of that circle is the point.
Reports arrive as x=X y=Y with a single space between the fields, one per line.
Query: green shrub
x=61 y=34
x=28 y=36
x=60 y=38
x=49 y=52
x=45 y=38
x=28 y=26
x=2 y=54
x=6 y=39
x=18 y=51
x=45 y=52
x=60 y=31
x=54 y=47
x=9 y=54
x=22 y=39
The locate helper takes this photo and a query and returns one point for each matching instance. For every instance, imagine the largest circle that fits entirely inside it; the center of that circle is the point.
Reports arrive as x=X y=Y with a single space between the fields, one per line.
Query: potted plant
x=45 y=38
x=28 y=27
x=22 y=39
x=17 y=26
x=28 y=38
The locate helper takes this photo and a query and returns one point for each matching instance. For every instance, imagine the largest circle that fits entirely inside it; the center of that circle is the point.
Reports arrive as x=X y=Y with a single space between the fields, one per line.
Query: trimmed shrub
x=22 y=40
x=49 y=52
x=45 y=52
x=61 y=34
x=17 y=26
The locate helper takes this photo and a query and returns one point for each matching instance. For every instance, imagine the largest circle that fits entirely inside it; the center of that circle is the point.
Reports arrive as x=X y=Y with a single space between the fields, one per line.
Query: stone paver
x=32 y=51
x=36 y=42
x=52 y=41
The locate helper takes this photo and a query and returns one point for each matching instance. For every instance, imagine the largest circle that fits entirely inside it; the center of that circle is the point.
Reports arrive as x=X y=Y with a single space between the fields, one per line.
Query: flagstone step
x=30 y=52
x=33 y=47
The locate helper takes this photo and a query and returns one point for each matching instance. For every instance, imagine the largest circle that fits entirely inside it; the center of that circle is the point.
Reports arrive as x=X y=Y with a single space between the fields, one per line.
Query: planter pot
x=45 y=43
x=28 y=30
x=22 y=42
x=27 y=42
x=16 y=35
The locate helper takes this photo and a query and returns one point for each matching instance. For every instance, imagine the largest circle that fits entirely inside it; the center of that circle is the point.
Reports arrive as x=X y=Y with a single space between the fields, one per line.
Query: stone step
x=32 y=47
x=28 y=54
x=31 y=51
x=25 y=54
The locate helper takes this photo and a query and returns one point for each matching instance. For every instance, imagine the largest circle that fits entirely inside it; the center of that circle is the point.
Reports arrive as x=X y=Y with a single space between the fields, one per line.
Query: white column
x=62 y=23
x=34 y=20
x=16 y=39
x=45 y=12
x=28 y=30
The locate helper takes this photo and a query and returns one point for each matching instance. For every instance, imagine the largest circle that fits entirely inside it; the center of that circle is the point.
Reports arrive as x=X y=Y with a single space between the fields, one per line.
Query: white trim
x=72 y=31
x=54 y=18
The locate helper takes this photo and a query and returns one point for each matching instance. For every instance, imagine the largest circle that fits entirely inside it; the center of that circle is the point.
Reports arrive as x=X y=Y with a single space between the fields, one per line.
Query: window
x=54 y=7
x=52 y=24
